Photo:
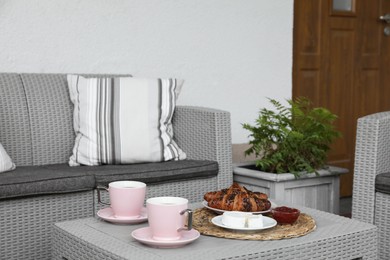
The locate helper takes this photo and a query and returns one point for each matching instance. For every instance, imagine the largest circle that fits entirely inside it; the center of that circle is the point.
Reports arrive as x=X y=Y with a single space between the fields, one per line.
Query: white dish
x=108 y=215
x=242 y=219
x=267 y=223
x=144 y=235
x=220 y=211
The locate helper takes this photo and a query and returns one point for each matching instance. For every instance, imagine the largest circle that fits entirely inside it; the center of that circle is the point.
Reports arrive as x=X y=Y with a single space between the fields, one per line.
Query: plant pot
x=320 y=191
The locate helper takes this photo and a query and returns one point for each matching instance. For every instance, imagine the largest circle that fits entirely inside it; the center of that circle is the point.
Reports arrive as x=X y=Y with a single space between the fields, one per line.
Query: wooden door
x=341 y=60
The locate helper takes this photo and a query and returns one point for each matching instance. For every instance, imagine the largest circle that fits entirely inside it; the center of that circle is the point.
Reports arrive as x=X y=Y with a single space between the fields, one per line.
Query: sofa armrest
x=205 y=134
x=371 y=158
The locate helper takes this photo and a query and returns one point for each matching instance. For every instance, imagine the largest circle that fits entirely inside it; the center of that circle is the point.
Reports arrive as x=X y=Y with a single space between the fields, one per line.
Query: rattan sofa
x=371 y=188
x=36 y=130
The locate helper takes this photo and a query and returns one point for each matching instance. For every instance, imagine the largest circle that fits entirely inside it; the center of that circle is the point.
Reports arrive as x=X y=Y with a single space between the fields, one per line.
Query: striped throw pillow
x=6 y=163
x=123 y=120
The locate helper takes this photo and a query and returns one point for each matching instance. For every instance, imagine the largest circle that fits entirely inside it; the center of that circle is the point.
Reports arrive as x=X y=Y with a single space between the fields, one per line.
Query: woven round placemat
x=202 y=222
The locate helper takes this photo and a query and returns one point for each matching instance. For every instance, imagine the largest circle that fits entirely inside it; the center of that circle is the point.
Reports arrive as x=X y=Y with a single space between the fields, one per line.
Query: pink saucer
x=144 y=235
x=108 y=215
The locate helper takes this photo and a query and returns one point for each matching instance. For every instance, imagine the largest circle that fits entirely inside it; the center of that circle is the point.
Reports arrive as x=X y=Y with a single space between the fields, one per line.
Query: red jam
x=285 y=215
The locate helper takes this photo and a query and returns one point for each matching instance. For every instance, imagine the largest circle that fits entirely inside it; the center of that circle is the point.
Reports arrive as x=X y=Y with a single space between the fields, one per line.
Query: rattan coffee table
x=335 y=237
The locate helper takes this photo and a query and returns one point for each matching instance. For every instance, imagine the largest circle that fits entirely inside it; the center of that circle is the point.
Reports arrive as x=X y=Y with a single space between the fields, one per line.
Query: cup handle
x=189 y=222
x=99 y=188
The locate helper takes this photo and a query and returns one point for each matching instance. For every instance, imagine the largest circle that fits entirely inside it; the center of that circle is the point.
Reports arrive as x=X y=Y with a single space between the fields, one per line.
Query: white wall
x=232 y=53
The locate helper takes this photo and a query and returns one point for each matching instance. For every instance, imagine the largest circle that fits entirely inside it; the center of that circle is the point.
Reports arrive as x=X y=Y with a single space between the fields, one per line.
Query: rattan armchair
x=372 y=157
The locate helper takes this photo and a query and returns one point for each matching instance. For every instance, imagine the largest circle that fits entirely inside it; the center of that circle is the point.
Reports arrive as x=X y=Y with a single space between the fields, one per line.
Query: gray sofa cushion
x=48 y=179
x=61 y=178
x=155 y=172
x=382 y=182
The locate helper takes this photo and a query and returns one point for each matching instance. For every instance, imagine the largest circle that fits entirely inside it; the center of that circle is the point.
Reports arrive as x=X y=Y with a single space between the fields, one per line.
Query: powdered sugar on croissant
x=238 y=198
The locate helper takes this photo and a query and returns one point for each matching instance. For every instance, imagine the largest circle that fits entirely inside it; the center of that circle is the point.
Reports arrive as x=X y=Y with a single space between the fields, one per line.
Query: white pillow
x=6 y=163
x=123 y=120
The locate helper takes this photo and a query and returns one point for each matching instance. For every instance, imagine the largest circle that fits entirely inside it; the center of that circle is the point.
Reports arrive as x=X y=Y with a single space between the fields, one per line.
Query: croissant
x=234 y=189
x=237 y=198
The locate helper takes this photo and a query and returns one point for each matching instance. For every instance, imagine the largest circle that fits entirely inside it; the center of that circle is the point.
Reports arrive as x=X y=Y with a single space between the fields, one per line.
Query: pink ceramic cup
x=167 y=218
x=126 y=198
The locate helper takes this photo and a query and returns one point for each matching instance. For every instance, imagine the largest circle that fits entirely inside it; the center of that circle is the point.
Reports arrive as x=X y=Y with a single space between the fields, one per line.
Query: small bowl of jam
x=285 y=215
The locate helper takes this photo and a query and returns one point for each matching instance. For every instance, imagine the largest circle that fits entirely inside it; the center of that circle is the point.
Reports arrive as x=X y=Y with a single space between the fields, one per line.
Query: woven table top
x=335 y=237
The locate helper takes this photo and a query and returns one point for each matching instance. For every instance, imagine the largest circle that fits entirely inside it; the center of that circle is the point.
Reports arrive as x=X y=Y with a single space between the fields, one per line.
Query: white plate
x=108 y=215
x=144 y=235
x=220 y=211
x=267 y=223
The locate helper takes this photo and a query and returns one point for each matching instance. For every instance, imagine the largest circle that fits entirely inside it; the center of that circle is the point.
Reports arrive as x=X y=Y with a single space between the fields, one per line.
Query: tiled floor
x=346 y=206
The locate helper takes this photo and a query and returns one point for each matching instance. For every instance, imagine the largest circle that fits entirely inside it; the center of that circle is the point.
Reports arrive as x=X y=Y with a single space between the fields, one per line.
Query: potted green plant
x=291 y=145
x=292 y=139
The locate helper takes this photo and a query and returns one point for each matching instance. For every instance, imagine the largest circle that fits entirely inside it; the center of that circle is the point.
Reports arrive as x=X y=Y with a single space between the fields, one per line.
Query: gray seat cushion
x=155 y=172
x=47 y=179
x=61 y=178
x=382 y=182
